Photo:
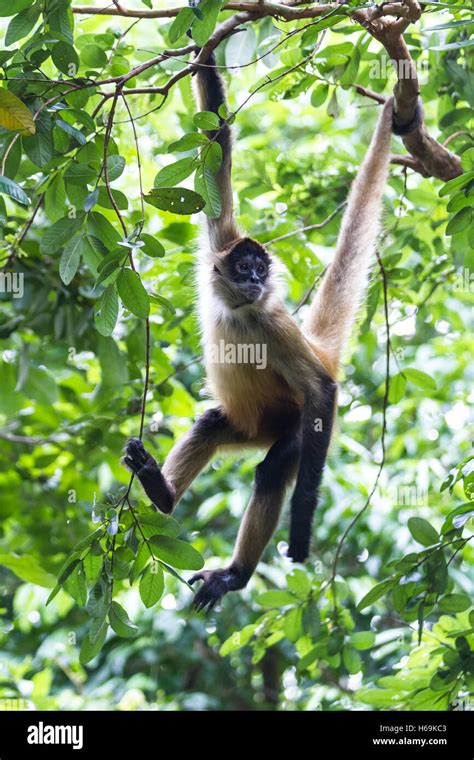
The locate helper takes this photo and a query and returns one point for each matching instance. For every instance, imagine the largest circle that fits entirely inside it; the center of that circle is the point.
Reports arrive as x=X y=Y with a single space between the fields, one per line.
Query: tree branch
x=435 y=159
x=429 y=158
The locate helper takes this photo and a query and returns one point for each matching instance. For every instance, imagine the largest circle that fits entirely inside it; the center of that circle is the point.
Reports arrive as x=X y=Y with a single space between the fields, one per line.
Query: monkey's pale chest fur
x=240 y=378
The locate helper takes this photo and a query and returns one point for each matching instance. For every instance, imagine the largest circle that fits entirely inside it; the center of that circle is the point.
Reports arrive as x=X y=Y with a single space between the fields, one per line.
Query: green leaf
x=115 y=167
x=422 y=531
x=177 y=553
x=397 y=388
x=90 y=649
x=375 y=593
x=22 y=24
x=173 y=174
x=204 y=26
x=319 y=95
x=133 y=294
x=102 y=231
x=152 y=247
x=28 y=569
x=65 y=58
x=80 y=174
x=207 y=120
x=120 y=622
x=362 y=639
x=206 y=186
x=453 y=185
x=76 y=134
x=39 y=146
x=299 y=583
x=460 y=221
x=293 y=626
x=453 y=45
x=454 y=603
x=93 y=56
x=237 y=640
x=76 y=584
x=241 y=48
x=14 y=115
x=177 y=200
x=70 y=259
x=156 y=523
x=420 y=379
x=276 y=598
x=41 y=385
x=187 y=142
x=60 y=232
x=151 y=584
x=181 y=24
x=10 y=188
x=106 y=311
x=14 y=6
x=60 y=22
x=352 y=660
x=349 y=75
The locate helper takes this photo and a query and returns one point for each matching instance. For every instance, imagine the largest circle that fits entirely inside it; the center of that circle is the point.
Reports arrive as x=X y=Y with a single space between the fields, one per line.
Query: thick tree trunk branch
x=436 y=159
x=429 y=157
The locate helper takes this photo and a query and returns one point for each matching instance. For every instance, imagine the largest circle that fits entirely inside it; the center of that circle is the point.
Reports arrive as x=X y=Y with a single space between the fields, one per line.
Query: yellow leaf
x=14 y=114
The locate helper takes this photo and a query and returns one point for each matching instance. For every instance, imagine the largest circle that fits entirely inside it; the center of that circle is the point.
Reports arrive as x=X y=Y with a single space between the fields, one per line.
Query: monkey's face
x=242 y=272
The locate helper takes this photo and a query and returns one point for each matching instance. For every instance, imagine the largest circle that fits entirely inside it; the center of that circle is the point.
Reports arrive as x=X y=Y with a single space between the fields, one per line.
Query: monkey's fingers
x=197 y=577
x=137 y=452
x=206 y=598
x=129 y=464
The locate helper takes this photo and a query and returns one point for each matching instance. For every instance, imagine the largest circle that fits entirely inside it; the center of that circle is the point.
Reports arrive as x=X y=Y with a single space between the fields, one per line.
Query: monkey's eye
x=261 y=269
x=243 y=267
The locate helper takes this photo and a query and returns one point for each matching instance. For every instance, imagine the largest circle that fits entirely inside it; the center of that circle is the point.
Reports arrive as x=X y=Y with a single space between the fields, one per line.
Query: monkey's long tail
x=334 y=308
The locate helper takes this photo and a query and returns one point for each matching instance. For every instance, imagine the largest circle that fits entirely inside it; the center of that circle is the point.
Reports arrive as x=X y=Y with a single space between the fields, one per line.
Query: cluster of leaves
x=314 y=616
x=130 y=545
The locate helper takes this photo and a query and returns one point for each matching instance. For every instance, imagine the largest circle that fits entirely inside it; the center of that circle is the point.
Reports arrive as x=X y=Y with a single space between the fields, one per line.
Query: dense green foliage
x=97 y=248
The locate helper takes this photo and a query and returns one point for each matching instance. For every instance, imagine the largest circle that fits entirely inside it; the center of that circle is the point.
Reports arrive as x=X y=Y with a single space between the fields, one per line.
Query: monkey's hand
x=142 y=464
x=216 y=584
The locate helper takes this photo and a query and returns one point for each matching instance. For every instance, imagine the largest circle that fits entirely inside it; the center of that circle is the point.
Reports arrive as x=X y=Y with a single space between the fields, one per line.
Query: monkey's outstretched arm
x=210 y=95
x=184 y=462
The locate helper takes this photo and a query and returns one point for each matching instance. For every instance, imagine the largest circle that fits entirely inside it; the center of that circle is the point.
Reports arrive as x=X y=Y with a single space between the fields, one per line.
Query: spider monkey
x=287 y=407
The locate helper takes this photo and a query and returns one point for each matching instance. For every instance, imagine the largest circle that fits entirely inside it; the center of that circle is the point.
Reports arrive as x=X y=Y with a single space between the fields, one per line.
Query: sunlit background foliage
x=389 y=627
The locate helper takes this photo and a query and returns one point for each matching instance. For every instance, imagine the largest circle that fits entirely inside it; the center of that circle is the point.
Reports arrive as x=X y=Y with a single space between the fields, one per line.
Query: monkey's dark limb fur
x=211 y=95
x=404 y=129
x=140 y=462
x=318 y=421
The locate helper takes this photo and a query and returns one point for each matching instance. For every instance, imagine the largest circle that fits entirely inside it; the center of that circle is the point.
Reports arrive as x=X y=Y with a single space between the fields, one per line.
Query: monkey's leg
x=318 y=418
x=258 y=525
x=184 y=462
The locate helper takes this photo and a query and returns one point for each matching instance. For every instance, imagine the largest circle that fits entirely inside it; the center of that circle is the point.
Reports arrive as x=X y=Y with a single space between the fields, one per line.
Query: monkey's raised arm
x=210 y=95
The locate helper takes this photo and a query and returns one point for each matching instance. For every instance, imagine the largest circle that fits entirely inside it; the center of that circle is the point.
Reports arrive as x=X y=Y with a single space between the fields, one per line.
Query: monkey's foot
x=298 y=550
x=216 y=584
x=142 y=464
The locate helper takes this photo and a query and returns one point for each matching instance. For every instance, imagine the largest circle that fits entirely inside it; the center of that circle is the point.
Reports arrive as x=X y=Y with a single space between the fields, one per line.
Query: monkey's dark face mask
x=245 y=269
